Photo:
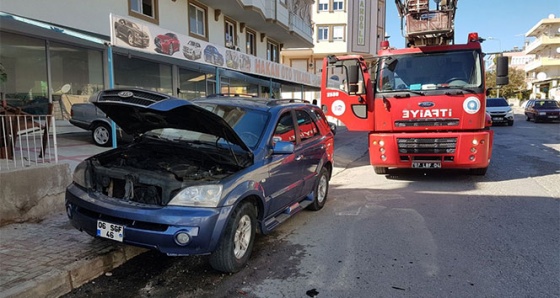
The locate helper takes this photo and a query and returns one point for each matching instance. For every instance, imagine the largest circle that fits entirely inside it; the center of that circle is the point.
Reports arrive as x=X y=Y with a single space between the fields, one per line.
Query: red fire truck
x=423 y=105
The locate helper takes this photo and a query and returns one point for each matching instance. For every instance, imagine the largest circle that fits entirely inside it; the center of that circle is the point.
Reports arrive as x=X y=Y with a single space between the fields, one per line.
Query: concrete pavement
x=50 y=258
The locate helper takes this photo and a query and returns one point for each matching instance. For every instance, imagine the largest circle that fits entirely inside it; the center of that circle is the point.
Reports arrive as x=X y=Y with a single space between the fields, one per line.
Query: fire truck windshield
x=430 y=71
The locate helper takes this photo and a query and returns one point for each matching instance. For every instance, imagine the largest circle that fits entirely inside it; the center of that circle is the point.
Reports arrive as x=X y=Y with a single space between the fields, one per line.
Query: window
x=144 y=9
x=197 y=21
x=307 y=128
x=338 y=5
x=272 y=52
x=230 y=36
x=285 y=130
x=322 y=33
x=323 y=5
x=139 y=73
x=338 y=32
x=251 y=47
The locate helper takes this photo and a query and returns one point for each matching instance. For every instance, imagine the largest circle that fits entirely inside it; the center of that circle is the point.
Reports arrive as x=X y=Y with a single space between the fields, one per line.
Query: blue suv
x=202 y=176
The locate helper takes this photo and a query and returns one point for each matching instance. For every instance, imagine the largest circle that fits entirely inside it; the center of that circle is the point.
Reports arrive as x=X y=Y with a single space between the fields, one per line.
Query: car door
x=309 y=150
x=284 y=183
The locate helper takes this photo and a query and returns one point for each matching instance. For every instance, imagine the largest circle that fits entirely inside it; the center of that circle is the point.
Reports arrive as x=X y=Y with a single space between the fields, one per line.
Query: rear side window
x=307 y=128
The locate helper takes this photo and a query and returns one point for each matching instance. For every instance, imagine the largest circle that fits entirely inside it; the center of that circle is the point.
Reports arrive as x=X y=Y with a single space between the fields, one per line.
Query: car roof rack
x=231 y=95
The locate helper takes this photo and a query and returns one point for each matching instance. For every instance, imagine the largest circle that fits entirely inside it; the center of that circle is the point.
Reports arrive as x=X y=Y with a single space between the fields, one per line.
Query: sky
x=505 y=21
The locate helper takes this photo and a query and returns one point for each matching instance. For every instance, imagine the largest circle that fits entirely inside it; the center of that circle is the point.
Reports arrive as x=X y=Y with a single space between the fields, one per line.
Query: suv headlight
x=198 y=196
x=509 y=113
x=81 y=175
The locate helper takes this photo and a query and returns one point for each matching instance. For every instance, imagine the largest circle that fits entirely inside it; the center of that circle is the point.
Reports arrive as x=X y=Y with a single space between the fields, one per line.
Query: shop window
x=322 y=33
x=24 y=83
x=146 y=10
x=251 y=47
x=198 y=21
x=192 y=84
x=140 y=73
x=230 y=34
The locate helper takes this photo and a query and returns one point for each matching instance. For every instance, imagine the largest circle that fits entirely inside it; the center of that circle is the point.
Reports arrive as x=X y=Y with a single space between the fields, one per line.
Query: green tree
x=517 y=88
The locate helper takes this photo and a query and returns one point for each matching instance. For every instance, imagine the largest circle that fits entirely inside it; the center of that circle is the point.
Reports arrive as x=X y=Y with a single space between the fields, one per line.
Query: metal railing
x=27 y=140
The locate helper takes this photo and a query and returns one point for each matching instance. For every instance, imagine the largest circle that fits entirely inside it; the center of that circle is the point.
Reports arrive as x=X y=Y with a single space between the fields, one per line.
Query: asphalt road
x=407 y=234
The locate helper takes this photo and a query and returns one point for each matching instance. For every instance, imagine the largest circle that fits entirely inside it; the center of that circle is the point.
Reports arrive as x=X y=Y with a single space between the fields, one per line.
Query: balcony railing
x=542 y=40
x=27 y=140
x=300 y=26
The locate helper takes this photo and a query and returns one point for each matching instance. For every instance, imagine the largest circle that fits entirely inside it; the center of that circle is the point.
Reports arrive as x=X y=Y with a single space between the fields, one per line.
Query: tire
x=479 y=171
x=130 y=39
x=101 y=135
x=236 y=244
x=527 y=118
x=510 y=123
x=381 y=170
x=321 y=191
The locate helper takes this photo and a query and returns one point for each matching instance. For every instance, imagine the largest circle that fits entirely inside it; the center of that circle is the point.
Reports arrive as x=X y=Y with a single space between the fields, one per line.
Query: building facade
x=543 y=72
x=341 y=27
x=66 y=50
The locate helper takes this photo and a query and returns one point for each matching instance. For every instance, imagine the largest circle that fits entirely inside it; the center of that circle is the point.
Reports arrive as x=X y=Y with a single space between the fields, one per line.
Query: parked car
x=202 y=176
x=192 y=50
x=212 y=55
x=167 y=43
x=87 y=116
x=542 y=110
x=500 y=111
x=131 y=33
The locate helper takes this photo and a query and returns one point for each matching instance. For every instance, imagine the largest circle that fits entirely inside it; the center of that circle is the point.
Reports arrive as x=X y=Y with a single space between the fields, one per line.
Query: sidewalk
x=50 y=258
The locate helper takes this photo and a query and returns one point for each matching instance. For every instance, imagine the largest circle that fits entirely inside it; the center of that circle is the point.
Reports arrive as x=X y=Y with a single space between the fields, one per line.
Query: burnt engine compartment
x=153 y=174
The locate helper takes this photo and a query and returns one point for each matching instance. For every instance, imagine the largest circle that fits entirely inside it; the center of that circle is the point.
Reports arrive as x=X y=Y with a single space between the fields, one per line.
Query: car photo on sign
x=202 y=176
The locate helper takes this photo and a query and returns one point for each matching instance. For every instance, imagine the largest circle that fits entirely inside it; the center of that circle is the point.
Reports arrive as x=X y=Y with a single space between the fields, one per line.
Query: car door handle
x=299 y=157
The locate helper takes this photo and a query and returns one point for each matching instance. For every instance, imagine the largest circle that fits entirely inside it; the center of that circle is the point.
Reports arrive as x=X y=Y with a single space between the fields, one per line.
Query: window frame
x=229 y=23
x=204 y=9
x=322 y=6
x=323 y=28
x=269 y=57
x=253 y=42
x=140 y=15
x=343 y=37
x=343 y=5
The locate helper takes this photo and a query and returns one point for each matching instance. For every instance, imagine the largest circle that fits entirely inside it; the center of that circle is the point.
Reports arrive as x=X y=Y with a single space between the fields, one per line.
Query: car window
x=546 y=104
x=307 y=128
x=496 y=102
x=285 y=129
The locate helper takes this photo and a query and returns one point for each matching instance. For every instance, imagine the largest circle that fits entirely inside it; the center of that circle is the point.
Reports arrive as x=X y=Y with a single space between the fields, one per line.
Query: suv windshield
x=496 y=102
x=431 y=71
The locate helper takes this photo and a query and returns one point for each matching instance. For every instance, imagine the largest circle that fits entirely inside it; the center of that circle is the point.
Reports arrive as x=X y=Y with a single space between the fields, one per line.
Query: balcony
x=268 y=17
x=541 y=42
x=543 y=62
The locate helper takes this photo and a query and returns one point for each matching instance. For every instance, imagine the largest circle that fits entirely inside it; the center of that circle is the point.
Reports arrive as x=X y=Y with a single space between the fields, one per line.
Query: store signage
x=140 y=36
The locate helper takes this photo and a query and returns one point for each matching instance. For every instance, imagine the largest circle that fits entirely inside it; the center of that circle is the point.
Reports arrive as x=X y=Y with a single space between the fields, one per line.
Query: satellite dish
x=558 y=50
x=541 y=75
x=551 y=16
x=65 y=88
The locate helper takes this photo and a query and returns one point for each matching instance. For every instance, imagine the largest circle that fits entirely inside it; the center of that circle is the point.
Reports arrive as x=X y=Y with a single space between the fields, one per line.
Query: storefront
x=41 y=64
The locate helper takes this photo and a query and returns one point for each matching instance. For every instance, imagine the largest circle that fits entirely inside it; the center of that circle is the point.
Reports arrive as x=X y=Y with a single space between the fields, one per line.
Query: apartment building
x=341 y=27
x=544 y=71
x=66 y=50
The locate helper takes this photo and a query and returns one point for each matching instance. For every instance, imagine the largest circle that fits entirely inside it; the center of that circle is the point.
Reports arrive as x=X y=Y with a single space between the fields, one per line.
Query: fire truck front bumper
x=468 y=150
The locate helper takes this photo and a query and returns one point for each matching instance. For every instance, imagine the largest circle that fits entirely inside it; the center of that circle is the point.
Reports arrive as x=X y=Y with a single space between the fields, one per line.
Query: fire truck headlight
x=383 y=157
x=382 y=150
x=471 y=157
x=473 y=150
x=475 y=142
x=381 y=143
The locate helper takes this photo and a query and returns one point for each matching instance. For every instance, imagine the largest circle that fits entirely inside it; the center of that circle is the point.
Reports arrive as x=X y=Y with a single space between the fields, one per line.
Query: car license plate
x=426 y=165
x=554 y=117
x=110 y=231
x=497 y=118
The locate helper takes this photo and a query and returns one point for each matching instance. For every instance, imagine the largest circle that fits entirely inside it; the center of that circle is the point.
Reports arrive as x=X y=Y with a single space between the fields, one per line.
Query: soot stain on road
x=153 y=274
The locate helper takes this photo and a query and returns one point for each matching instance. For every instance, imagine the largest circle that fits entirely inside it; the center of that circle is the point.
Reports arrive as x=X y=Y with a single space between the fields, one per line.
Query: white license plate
x=497 y=118
x=426 y=165
x=553 y=117
x=110 y=231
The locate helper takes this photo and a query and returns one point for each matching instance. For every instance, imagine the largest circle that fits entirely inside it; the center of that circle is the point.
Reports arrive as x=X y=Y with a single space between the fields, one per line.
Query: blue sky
x=506 y=21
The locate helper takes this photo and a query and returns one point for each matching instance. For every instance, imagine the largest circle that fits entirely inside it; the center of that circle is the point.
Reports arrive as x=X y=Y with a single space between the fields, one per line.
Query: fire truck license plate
x=110 y=231
x=426 y=165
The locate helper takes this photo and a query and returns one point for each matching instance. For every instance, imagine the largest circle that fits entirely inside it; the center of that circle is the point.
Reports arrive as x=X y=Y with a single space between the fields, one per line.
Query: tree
x=517 y=88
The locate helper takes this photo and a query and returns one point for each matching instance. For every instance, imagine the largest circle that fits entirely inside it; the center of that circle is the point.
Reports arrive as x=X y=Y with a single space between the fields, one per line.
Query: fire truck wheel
x=381 y=170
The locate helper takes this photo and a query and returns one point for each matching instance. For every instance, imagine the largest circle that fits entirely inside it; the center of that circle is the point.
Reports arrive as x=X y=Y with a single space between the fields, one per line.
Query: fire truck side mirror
x=502 y=71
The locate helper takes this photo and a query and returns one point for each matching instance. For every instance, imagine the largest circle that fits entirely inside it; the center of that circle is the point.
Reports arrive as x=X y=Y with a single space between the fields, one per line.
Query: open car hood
x=137 y=111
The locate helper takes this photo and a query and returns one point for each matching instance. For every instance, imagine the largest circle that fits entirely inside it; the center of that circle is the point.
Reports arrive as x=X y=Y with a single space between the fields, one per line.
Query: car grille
x=427 y=146
x=427 y=122
x=139 y=97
